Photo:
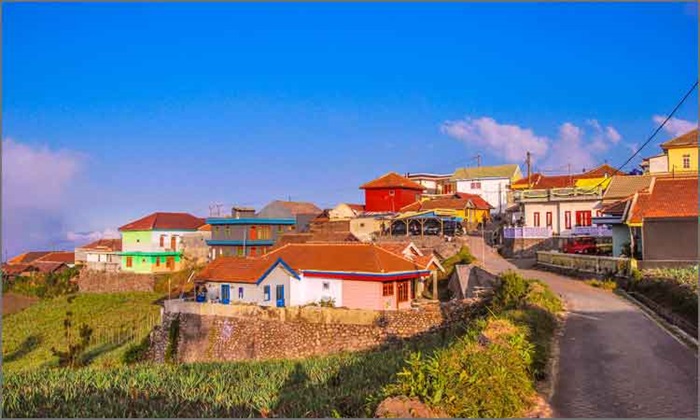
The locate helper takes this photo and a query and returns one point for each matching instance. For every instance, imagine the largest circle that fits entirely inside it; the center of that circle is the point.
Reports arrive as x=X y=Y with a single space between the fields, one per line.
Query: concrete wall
x=558 y=210
x=670 y=239
x=621 y=235
x=364 y=227
x=658 y=164
x=270 y=333
x=90 y=281
x=194 y=246
x=585 y=263
x=526 y=248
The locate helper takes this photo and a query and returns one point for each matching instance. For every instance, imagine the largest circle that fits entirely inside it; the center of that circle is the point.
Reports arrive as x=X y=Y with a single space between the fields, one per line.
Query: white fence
x=527 y=232
x=586 y=263
x=599 y=231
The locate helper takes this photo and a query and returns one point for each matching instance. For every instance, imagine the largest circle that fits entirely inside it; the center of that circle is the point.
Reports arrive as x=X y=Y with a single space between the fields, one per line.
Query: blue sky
x=127 y=109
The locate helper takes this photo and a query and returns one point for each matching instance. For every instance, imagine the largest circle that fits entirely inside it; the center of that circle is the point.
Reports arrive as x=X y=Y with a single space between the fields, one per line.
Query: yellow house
x=680 y=155
x=470 y=207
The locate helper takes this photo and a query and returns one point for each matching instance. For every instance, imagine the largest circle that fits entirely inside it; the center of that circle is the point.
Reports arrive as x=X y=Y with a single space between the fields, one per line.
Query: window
x=326 y=285
x=536 y=219
x=362 y=225
x=253 y=251
x=129 y=261
x=402 y=291
x=253 y=233
x=162 y=241
x=413 y=291
x=266 y=293
x=239 y=251
x=240 y=293
x=173 y=242
x=475 y=185
x=170 y=262
x=686 y=161
x=548 y=219
x=157 y=261
x=391 y=193
x=583 y=218
x=280 y=229
x=567 y=220
x=388 y=289
x=597 y=213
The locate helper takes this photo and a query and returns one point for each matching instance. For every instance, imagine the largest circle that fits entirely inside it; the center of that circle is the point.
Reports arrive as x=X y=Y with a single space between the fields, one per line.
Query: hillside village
x=356 y=250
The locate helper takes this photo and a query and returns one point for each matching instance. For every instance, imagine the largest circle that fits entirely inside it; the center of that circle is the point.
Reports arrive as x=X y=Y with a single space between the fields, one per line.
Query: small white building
x=490 y=182
x=101 y=255
x=345 y=211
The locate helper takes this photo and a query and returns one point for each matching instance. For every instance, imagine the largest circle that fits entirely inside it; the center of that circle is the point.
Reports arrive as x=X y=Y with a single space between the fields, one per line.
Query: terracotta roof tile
x=393 y=180
x=623 y=186
x=459 y=201
x=105 y=245
x=356 y=207
x=47 y=266
x=666 y=198
x=16 y=269
x=28 y=257
x=299 y=207
x=62 y=256
x=539 y=181
x=165 y=221
x=351 y=258
x=688 y=139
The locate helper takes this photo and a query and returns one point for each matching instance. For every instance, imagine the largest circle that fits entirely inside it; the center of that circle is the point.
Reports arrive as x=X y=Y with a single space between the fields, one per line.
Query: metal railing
x=558 y=194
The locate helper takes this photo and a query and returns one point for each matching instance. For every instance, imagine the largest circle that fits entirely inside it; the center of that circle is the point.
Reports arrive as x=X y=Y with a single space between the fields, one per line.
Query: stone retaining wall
x=90 y=281
x=219 y=338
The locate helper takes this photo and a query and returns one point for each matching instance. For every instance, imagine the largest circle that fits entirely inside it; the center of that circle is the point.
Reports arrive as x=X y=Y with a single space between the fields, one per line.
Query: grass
x=491 y=371
x=28 y=336
x=347 y=384
x=609 y=285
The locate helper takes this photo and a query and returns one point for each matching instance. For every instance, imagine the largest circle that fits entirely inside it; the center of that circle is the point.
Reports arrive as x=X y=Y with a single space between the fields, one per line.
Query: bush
x=45 y=286
x=490 y=372
x=602 y=284
x=173 y=336
x=679 y=294
x=137 y=352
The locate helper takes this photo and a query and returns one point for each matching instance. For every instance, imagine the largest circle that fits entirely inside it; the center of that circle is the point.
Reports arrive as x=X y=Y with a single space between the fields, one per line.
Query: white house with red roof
x=363 y=276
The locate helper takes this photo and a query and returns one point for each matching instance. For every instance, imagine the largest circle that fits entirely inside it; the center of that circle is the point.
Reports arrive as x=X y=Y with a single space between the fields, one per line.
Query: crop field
x=119 y=318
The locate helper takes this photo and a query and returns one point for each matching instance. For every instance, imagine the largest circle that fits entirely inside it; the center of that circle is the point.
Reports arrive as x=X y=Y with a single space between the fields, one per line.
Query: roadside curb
x=678 y=334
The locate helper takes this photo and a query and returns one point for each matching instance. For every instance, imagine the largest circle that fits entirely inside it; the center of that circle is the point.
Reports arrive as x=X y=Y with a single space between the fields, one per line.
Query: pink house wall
x=368 y=295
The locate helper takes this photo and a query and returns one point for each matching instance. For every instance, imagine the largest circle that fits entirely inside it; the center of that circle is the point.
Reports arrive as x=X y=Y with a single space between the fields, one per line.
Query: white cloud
x=572 y=144
x=87 y=237
x=510 y=141
x=675 y=126
x=36 y=185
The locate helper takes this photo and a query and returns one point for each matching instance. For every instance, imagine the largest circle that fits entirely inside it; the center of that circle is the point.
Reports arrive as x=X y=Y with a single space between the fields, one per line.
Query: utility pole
x=478 y=160
x=528 y=163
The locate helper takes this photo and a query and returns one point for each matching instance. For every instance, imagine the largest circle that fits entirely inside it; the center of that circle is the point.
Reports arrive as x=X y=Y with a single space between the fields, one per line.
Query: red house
x=390 y=192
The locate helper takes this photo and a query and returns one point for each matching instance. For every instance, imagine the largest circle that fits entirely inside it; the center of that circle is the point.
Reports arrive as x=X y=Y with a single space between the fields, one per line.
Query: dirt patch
x=12 y=302
x=404 y=407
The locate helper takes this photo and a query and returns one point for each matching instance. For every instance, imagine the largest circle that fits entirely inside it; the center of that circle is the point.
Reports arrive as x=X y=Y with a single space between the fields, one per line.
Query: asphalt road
x=614 y=361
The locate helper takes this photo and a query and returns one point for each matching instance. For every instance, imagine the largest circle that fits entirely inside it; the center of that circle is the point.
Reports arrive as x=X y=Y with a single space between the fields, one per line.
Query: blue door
x=280 y=295
x=225 y=294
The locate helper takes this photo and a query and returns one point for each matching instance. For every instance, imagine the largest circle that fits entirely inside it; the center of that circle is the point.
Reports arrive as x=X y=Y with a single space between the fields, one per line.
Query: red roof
x=539 y=181
x=62 y=256
x=15 y=269
x=28 y=257
x=165 y=221
x=688 y=139
x=392 y=180
x=347 y=258
x=356 y=207
x=459 y=201
x=106 y=245
x=668 y=198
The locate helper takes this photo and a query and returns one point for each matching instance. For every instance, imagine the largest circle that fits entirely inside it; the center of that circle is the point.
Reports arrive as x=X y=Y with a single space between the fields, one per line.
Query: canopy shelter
x=432 y=222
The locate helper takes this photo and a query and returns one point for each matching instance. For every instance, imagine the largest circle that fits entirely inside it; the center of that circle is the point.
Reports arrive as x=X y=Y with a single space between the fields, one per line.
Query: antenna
x=528 y=161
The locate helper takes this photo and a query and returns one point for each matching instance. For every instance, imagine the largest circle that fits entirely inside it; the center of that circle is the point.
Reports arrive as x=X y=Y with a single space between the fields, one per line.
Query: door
x=280 y=295
x=225 y=294
x=170 y=263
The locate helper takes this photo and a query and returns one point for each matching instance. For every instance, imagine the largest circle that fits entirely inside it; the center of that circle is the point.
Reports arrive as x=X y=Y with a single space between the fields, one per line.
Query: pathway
x=614 y=361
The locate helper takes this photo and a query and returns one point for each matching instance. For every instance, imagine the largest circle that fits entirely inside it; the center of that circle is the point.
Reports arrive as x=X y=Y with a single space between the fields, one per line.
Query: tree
x=74 y=356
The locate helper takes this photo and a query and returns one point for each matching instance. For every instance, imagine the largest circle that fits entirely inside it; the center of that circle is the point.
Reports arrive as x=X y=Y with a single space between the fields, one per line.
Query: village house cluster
x=295 y=253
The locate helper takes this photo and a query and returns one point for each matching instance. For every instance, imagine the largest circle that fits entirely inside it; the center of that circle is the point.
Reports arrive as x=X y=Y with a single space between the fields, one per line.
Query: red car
x=581 y=246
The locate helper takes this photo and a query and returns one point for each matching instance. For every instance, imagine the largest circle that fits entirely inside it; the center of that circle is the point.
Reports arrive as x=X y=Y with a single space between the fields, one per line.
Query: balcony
x=558 y=194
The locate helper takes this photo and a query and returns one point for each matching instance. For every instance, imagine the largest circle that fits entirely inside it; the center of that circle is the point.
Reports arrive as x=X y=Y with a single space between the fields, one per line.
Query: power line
x=678 y=105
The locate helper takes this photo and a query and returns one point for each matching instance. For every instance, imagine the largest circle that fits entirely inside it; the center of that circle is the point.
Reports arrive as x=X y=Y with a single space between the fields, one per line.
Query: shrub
x=602 y=284
x=679 y=294
x=45 y=286
x=74 y=355
x=511 y=292
x=137 y=352
x=173 y=336
x=327 y=302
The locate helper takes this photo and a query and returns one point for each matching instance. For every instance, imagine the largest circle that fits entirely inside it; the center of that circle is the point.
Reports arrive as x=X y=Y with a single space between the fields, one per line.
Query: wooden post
x=435 y=286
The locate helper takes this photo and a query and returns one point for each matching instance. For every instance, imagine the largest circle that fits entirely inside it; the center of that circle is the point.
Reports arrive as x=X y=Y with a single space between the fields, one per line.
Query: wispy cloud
x=36 y=183
x=508 y=140
x=572 y=145
x=675 y=126
x=86 y=237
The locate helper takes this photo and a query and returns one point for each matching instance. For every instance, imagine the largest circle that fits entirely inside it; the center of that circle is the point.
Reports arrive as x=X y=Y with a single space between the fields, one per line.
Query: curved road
x=614 y=361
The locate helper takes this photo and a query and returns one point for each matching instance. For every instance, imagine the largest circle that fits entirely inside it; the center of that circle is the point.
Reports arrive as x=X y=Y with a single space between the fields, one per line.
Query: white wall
x=494 y=191
x=310 y=289
x=154 y=244
x=558 y=210
x=102 y=257
x=658 y=164
x=253 y=293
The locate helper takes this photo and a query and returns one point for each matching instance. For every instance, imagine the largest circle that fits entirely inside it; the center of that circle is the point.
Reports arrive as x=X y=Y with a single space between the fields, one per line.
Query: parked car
x=398 y=229
x=581 y=246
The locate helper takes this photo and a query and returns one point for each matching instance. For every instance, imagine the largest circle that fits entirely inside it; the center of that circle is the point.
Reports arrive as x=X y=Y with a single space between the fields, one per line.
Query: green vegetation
x=44 y=286
x=486 y=368
x=675 y=289
x=173 y=337
x=464 y=256
x=74 y=356
x=602 y=284
x=491 y=370
x=137 y=352
x=28 y=336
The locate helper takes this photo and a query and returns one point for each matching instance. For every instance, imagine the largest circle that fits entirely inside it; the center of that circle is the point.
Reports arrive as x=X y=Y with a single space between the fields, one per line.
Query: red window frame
x=162 y=241
x=253 y=251
x=402 y=292
x=548 y=219
x=567 y=220
x=536 y=219
x=388 y=289
x=583 y=218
